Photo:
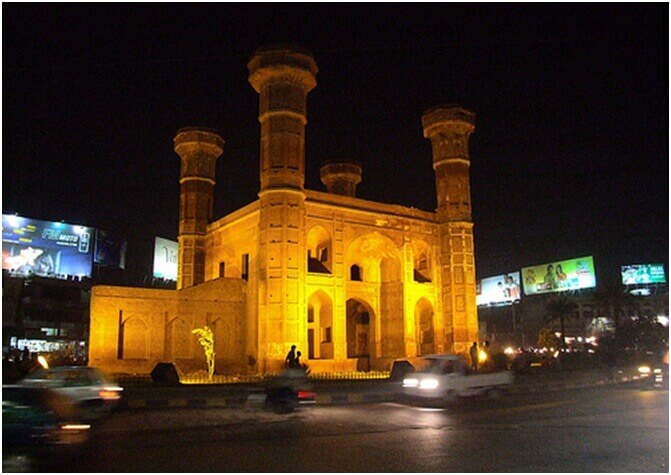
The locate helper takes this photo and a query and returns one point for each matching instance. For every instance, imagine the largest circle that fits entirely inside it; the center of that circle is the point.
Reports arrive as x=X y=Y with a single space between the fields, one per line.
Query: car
x=446 y=377
x=87 y=387
x=38 y=417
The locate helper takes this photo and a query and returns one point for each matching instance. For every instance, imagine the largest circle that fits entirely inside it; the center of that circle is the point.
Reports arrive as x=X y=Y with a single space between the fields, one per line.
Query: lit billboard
x=643 y=274
x=572 y=274
x=165 y=259
x=499 y=290
x=45 y=248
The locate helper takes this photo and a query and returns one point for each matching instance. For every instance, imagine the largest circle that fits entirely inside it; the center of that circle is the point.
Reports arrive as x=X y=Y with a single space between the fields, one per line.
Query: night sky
x=569 y=156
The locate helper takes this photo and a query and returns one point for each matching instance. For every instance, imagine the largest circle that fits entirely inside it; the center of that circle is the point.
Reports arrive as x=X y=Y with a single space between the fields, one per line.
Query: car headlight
x=429 y=383
x=644 y=369
x=410 y=382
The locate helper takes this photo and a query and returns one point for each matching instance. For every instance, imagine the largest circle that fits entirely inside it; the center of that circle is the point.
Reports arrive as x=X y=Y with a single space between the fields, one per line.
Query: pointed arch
x=376 y=256
x=178 y=339
x=422 y=261
x=135 y=339
x=359 y=329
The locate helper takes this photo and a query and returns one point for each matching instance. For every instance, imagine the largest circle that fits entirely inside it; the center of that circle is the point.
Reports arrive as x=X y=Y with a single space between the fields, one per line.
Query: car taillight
x=306 y=395
x=110 y=394
x=76 y=427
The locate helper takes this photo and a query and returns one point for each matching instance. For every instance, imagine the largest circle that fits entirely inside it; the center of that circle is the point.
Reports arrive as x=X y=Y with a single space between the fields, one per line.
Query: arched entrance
x=424 y=327
x=360 y=341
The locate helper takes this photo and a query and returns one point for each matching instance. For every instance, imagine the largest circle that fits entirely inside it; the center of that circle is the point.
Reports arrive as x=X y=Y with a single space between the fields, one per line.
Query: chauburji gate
x=353 y=283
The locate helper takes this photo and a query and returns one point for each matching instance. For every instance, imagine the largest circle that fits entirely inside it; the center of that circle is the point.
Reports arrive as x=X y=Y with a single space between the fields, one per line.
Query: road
x=606 y=429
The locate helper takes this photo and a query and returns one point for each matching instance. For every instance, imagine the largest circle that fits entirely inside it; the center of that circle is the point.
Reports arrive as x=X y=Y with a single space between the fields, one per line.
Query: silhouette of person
x=298 y=359
x=474 y=355
x=290 y=360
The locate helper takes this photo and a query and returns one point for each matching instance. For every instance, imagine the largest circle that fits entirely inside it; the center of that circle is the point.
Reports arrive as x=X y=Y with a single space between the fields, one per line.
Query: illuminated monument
x=353 y=283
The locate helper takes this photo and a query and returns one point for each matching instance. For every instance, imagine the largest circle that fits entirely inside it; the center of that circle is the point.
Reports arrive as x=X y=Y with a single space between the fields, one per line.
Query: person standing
x=474 y=355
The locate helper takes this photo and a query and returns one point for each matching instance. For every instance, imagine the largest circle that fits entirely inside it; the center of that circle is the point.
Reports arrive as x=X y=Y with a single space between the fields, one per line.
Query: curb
x=256 y=400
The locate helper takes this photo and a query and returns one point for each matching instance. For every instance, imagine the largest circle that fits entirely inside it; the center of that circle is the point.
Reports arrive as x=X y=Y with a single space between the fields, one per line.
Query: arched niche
x=424 y=330
x=320 y=326
x=134 y=340
x=178 y=339
x=320 y=255
x=376 y=256
x=422 y=262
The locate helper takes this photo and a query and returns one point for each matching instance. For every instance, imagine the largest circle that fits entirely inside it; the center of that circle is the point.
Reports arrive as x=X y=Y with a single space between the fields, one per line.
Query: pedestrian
x=474 y=355
x=298 y=359
x=290 y=360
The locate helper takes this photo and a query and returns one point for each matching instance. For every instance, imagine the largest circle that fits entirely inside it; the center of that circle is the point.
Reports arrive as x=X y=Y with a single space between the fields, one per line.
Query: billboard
x=165 y=259
x=572 y=274
x=46 y=248
x=643 y=274
x=499 y=290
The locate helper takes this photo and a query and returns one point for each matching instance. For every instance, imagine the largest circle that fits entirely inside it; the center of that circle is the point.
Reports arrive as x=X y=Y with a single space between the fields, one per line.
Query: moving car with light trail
x=87 y=387
x=446 y=377
x=39 y=417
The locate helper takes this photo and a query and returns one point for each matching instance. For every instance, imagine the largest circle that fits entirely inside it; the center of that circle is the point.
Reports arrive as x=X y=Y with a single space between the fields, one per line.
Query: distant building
x=353 y=283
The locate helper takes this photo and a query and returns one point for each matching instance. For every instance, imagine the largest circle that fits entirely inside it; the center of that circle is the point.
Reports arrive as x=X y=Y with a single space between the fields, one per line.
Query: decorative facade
x=353 y=283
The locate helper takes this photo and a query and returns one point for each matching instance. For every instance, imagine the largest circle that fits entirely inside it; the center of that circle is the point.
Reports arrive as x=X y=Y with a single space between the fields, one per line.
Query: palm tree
x=613 y=299
x=561 y=308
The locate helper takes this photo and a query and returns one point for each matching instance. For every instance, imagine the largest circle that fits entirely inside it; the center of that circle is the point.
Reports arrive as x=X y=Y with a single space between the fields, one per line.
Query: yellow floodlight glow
x=482 y=356
x=43 y=362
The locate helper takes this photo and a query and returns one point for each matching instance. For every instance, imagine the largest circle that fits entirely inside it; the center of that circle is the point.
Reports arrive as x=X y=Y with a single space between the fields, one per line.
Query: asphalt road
x=605 y=429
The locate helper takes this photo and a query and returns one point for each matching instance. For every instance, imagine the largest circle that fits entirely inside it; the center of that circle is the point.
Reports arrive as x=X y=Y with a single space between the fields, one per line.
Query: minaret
x=283 y=76
x=198 y=149
x=341 y=176
x=449 y=129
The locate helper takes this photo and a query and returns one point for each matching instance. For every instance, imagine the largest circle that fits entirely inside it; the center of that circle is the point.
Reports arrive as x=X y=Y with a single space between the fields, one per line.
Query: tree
x=561 y=308
x=206 y=338
x=612 y=295
x=547 y=339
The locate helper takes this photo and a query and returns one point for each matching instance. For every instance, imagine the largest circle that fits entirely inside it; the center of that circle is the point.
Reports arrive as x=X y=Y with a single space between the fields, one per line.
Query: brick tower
x=198 y=149
x=283 y=76
x=449 y=129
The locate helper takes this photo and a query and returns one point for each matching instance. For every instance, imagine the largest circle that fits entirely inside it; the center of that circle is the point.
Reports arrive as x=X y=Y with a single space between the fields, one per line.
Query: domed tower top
x=282 y=62
x=341 y=176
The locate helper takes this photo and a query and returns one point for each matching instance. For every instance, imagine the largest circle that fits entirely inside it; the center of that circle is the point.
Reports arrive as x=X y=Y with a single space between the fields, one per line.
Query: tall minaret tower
x=198 y=149
x=282 y=76
x=449 y=129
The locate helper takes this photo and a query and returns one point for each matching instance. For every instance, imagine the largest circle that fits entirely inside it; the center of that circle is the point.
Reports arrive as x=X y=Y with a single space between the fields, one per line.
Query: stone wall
x=132 y=329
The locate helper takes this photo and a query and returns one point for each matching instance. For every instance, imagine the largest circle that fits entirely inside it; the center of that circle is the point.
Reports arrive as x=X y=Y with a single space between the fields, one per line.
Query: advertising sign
x=499 y=290
x=572 y=274
x=643 y=274
x=165 y=259
x=45 y=248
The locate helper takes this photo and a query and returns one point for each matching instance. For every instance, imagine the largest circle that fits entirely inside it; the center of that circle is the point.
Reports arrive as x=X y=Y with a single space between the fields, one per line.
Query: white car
x=446 y=377
x=85 y=386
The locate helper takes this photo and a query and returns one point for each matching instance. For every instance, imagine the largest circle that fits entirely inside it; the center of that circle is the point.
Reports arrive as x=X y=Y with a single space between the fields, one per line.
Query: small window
x=355 y=273
x=222 y=269
x=245 y=266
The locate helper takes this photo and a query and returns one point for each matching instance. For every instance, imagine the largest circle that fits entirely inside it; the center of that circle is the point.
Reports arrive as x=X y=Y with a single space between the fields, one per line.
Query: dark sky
x=569 y=155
